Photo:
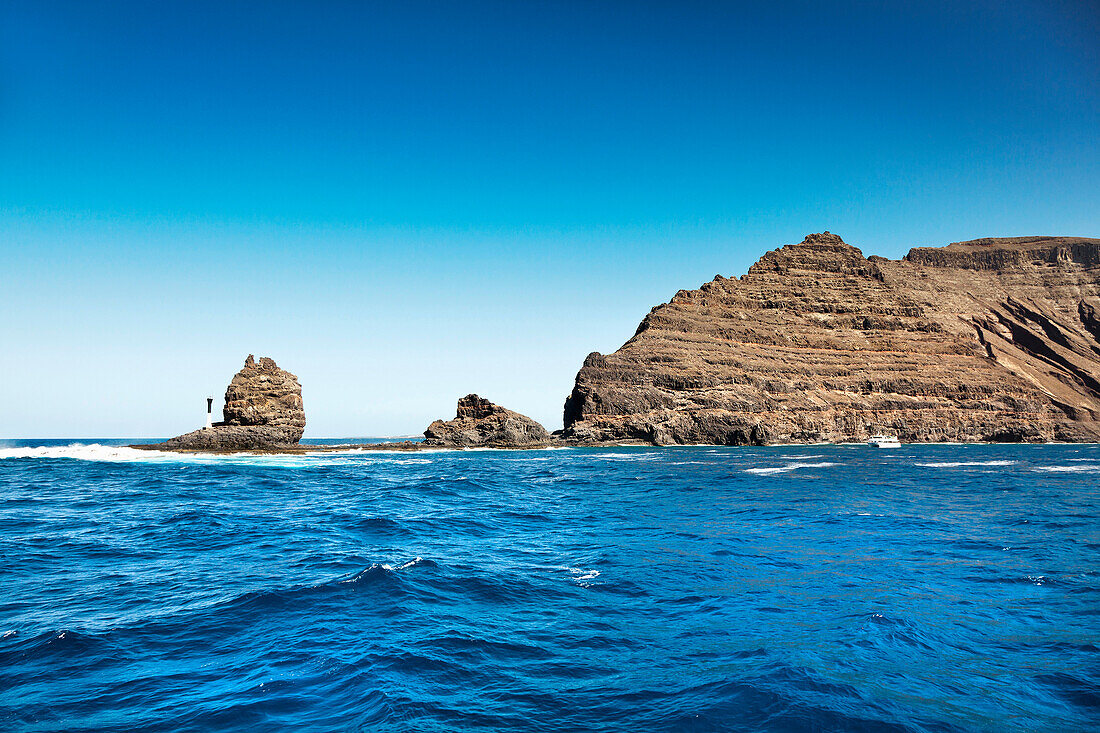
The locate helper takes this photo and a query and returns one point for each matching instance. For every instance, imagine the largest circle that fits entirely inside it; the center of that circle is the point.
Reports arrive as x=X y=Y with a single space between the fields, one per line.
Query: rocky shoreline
x=404 y=446
x=409 y=446
x=991 y=340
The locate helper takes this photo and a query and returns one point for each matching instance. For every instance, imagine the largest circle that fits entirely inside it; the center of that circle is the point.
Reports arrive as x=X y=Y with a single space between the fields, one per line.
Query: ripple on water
x=803 y=588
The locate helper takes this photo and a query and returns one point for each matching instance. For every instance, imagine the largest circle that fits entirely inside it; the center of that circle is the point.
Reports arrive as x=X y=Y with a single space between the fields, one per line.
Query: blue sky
x=406 y=202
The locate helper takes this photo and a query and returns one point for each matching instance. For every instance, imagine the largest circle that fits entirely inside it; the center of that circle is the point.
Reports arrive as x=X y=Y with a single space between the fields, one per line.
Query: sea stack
x=986 y=340
x=263 y=409
x=480 y=423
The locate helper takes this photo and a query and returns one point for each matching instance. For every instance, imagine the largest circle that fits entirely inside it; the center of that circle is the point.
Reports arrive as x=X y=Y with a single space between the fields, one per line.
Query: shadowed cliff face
x=995 y=339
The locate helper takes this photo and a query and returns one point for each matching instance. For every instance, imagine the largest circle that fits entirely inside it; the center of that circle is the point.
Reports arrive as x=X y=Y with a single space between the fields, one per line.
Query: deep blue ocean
x=820 y=588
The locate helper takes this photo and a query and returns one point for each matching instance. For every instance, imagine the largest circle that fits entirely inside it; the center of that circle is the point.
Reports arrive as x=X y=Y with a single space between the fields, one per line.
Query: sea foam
x=1078 y=468
x=87 y=452
x=97 y=452
x=960 y=464
x=788 y=467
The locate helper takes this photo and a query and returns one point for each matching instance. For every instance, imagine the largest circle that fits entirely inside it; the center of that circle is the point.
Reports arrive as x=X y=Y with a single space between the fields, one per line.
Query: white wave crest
x=959 y=464
x=404 y=565
x=788 y=467
x=87 y=452
x=580 y=575
x=625 y=456
x=1079 y=468
x=123 y=454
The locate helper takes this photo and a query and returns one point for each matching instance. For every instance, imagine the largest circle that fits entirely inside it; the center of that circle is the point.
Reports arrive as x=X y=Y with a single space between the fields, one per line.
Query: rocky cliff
x=479 y=422
x=993 y=339
x=263 y=409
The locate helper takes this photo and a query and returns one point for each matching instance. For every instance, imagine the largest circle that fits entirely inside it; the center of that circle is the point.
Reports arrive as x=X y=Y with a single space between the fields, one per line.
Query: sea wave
x=406 y=565
x=1078 y=468
x=649 y=456
x=88 y=452
x=581 y=575
x=122 y=454
x=961 y=464
x=789 y=467
x=276 y=594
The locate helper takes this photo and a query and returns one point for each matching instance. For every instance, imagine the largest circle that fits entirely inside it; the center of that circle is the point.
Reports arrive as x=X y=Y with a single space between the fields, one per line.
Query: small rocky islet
x=990 y=340
x=263 y=409
x=479 y=422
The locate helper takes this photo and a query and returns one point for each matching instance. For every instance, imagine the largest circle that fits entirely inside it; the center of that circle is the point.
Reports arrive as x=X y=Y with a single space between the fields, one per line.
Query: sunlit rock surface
x=994 y=339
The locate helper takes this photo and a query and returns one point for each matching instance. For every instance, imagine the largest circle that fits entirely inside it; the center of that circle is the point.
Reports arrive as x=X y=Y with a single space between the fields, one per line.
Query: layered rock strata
x=480 y=423
x=263 y=409
x=988 y=340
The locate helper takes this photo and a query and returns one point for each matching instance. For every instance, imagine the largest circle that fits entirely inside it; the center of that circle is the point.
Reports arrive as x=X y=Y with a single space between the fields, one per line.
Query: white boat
x=884 y=441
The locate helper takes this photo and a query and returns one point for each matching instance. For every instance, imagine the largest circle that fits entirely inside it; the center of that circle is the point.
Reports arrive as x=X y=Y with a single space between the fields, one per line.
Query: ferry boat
x=884 y=441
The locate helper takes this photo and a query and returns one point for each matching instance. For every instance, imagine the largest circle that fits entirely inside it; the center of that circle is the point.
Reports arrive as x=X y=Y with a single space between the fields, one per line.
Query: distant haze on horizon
x=404 y=203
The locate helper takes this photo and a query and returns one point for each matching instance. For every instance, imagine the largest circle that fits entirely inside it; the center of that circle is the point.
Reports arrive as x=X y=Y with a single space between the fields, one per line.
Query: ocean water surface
x=932 y=588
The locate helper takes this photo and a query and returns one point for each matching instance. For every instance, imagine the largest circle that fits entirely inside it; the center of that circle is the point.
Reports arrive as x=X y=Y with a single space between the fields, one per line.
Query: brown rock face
x=263 y=409
x=478 y=422
x=472 y=407
x=995 y=339
x=264 y=394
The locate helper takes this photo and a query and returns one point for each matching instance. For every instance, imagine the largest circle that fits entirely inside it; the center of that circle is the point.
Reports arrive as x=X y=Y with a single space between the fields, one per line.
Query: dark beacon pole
x=209 y=409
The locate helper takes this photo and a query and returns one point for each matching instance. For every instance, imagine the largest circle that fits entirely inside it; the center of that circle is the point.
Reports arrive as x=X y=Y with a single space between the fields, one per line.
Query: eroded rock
x=479 y=422
x=263 y=409
x=985 y=340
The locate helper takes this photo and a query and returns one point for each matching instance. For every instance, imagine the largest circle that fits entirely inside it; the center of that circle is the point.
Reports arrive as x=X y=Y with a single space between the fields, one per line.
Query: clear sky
x=405 y=202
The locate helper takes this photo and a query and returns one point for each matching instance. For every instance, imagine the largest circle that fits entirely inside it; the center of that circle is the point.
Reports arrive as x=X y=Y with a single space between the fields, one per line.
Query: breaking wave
x=122 y=454
x=88 y=452
x=789 y=467
x=1077 y=468
x=961 y=464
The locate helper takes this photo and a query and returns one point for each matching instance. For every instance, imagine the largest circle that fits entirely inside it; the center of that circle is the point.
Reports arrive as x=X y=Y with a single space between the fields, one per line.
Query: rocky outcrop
x=231 y=438
x=994 y=339
x=479 y=422
x=262 y=394
x=263 y=409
